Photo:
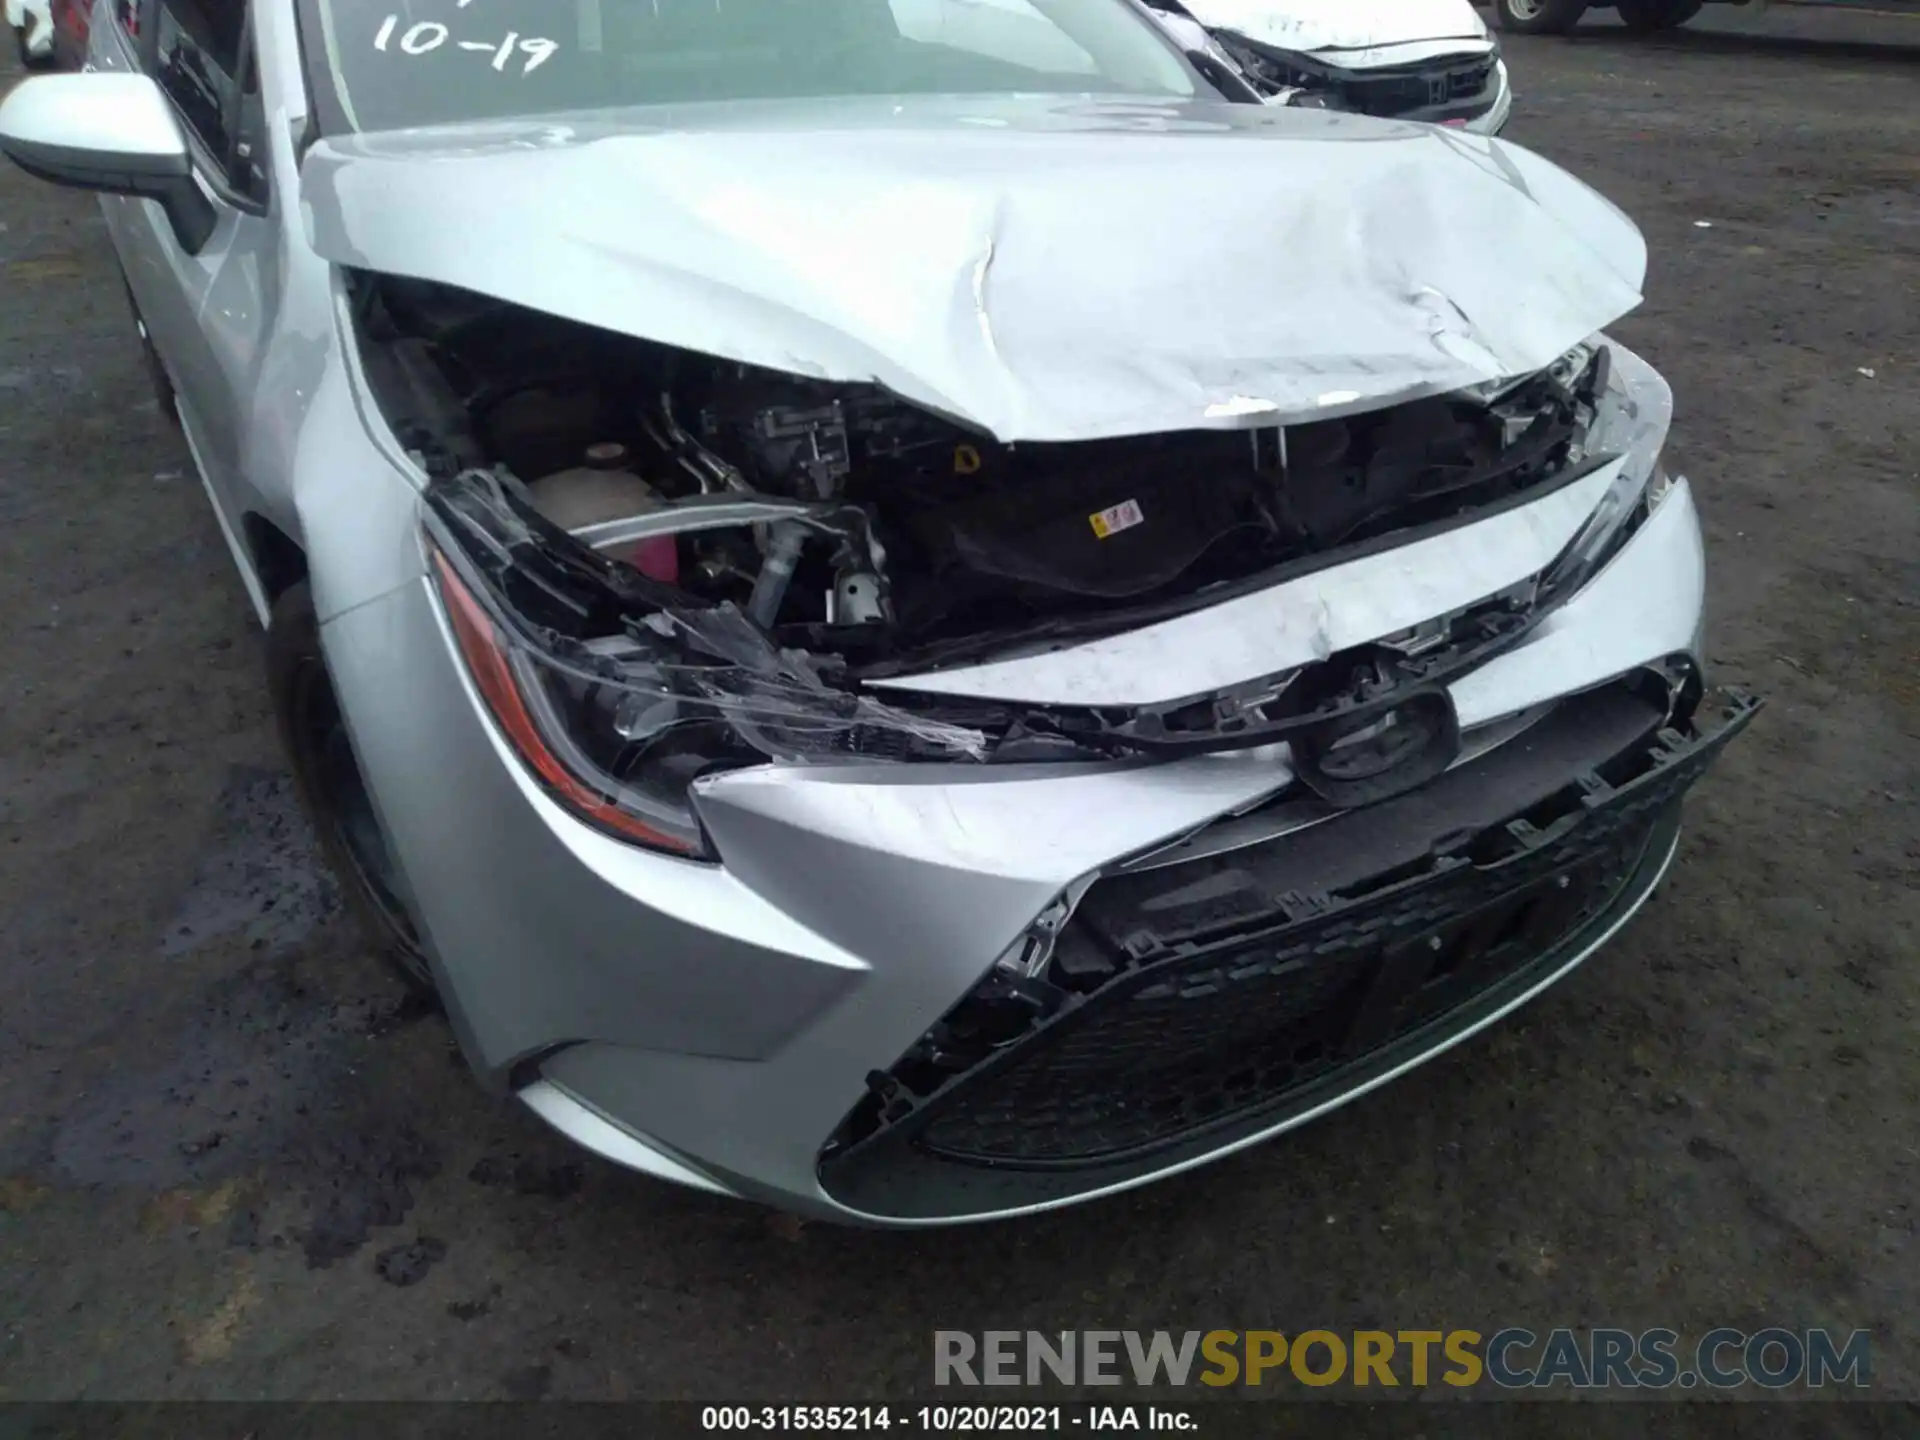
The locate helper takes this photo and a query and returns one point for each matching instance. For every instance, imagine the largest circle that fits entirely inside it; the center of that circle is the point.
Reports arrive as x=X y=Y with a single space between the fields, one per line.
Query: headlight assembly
x=1631 y=419
x=564 y=729
x=616 y=695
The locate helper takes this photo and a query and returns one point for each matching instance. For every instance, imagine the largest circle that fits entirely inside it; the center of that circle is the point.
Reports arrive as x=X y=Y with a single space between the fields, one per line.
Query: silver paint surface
x=1042 y=269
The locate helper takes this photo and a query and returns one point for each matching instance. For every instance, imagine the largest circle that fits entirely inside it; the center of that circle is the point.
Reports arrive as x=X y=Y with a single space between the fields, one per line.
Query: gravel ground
x=234 y=1164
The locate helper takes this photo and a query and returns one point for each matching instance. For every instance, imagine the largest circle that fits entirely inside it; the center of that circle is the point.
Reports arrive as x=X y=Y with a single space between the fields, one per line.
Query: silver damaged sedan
x=908 y=619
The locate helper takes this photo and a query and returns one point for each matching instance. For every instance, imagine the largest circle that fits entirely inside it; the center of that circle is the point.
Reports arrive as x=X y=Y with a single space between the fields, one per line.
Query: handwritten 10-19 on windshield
x=429 y=35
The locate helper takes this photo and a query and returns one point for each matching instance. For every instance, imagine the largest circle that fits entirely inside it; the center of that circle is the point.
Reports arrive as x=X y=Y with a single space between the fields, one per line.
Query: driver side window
x=203 y=58
x=247 y=162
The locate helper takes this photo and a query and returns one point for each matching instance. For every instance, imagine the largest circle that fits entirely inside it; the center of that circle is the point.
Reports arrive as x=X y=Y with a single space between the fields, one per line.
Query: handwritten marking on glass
x=502 y=52
x=430 y=35
x=427 y=35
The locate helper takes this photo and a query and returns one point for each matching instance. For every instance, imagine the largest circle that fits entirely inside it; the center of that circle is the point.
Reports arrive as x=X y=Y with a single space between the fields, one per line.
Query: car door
x=206 y=309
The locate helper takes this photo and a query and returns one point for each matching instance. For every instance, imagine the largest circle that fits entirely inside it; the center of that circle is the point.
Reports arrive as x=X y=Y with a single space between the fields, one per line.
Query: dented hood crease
x=1044 y=269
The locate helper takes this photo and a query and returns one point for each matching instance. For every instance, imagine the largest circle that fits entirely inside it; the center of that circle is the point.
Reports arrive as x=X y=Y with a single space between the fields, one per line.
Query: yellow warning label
x=1115 y=518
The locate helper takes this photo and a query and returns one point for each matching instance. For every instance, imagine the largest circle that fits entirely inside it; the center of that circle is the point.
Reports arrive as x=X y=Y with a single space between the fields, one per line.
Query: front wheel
x=1645 y=16
x=1539 y=17
x=333 y=791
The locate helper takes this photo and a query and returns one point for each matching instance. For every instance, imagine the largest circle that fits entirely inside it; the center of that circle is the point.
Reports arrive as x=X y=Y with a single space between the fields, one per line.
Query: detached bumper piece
x=1196 y=1006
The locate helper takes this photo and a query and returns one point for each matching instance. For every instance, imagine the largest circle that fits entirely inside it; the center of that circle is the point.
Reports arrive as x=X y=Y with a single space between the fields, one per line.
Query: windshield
x=392 y=64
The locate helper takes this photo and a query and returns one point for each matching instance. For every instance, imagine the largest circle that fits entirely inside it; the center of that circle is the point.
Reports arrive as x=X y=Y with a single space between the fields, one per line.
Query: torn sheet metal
x=1314 y=26
x=1044 y=269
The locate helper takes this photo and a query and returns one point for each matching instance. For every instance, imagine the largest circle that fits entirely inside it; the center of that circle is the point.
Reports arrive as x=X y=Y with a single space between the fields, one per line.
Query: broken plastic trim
x=1632 y=422
x=617 y=693
x=634 y=691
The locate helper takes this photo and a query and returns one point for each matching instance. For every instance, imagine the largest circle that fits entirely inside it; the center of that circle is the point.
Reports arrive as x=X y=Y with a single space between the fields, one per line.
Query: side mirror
x=112 y=133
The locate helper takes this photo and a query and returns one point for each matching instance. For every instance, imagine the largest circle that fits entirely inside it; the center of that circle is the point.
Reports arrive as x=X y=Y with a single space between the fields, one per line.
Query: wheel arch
x=279 y=561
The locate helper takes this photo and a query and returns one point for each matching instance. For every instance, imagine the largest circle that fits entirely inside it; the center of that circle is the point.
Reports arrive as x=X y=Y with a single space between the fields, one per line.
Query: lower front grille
x=1208 y=1029
x=1407 y=93
x=1206 y=1000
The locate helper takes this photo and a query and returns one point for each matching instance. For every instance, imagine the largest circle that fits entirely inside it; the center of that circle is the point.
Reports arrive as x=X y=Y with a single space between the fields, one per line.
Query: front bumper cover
x=1194 y=1006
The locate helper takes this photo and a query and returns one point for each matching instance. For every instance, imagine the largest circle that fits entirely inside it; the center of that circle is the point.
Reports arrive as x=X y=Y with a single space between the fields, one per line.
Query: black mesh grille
x=1207 y=1033
x=1402 y=93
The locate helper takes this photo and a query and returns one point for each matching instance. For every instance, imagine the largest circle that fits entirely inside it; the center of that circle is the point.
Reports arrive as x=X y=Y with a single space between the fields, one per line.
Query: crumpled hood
x=1045 y=269
x=1316 y=25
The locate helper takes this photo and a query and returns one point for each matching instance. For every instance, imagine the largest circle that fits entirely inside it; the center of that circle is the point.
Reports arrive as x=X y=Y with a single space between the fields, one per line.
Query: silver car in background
x=904 y=630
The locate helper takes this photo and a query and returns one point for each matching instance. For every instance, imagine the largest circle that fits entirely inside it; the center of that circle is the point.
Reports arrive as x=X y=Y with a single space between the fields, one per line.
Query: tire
x=1643 y=17
x=1539 y=17
x=327 y=777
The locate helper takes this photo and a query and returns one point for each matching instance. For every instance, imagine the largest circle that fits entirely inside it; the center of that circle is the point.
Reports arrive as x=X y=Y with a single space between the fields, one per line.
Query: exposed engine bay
x=756 y=545
x=911 y=538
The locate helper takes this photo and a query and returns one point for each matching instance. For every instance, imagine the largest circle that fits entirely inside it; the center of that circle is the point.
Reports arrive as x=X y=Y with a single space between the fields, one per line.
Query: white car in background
x=1432 y=60
x=1429 y=60
x=32 y=24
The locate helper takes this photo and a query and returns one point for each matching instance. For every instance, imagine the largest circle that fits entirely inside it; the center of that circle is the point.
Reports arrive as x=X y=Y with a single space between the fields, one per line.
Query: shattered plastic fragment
x=791 y=710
